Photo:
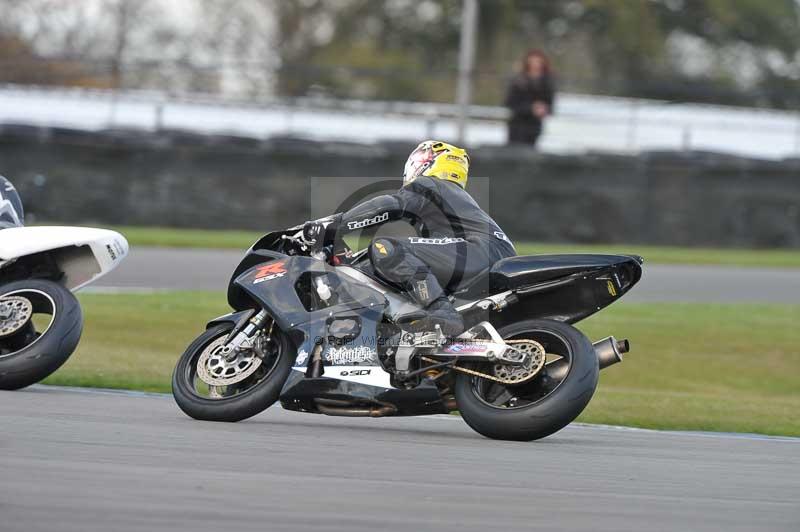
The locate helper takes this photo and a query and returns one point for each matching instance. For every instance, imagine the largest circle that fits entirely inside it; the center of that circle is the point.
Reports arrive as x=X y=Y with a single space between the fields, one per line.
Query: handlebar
x=325 y=254
x=296 y=238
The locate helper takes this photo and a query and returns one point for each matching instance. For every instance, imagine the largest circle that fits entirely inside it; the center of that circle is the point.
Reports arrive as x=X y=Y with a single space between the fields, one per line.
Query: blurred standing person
x=530 y=98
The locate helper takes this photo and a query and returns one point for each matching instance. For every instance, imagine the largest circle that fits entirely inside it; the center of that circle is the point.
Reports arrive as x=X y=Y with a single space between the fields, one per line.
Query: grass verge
x=198 y=238
x=701 y=367
x=692 y=366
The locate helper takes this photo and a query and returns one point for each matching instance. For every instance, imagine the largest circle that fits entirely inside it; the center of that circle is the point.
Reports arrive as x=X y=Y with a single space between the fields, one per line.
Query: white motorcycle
x=40 y=319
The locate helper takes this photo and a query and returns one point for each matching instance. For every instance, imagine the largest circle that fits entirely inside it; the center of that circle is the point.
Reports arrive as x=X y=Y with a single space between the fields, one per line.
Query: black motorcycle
x=320 y=333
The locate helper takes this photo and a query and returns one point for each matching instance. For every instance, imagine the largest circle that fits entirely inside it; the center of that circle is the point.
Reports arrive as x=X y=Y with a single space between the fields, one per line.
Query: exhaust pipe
x=609 y=351
x=335 y=407
x=371 y=411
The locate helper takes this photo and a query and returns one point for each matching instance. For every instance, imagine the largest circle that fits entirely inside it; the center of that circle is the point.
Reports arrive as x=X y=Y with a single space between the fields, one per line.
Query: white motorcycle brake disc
x=214 y=368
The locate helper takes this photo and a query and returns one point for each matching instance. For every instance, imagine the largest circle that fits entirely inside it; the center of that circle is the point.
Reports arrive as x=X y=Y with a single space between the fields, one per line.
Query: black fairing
x=279 y=292
x=261 y=251
x=520 y=272
x=562 y=287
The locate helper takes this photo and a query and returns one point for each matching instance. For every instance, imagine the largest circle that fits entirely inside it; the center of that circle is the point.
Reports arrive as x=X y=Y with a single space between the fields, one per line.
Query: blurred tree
x=723 y=51
x=624 y=47
x=124 y=17
x=637 y=42
x=20 y=63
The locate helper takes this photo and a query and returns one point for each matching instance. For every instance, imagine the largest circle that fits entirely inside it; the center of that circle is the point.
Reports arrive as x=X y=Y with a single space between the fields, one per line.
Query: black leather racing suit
x=459 y=239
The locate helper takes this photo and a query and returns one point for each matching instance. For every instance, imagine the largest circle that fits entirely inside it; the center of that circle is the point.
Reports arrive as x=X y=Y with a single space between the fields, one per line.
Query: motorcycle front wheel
x=546 y=404
x=40 y=327
x=209 y=386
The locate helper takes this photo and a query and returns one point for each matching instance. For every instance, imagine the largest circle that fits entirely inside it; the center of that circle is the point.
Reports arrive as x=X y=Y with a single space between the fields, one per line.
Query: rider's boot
x=439 y=310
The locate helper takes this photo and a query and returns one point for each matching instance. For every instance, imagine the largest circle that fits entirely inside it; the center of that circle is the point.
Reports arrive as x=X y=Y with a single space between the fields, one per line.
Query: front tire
x=546 y=404
x=30 y=351
x=234 y=403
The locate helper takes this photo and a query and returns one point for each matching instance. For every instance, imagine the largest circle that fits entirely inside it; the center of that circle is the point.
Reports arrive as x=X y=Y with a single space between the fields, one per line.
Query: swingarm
x=472 y=345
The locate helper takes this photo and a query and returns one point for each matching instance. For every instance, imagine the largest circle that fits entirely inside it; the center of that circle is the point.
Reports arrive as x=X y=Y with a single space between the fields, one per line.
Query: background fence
x=212 y=181
x=582 y=123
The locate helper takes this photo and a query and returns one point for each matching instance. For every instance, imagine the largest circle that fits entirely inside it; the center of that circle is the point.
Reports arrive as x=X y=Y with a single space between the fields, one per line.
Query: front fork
x=244 y=338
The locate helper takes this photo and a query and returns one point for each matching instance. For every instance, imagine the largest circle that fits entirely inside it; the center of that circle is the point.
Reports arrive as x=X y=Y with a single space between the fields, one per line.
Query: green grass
x=188 y=238
x=701 y=367
x=198 y=238
x=692 y=366
x=132 y=341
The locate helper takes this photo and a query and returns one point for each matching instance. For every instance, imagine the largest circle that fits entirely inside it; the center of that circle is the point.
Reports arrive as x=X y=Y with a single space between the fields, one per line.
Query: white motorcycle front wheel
x=40 y=327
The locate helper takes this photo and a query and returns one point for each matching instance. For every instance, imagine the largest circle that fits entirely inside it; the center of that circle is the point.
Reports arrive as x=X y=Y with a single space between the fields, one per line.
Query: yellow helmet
x=437 y=159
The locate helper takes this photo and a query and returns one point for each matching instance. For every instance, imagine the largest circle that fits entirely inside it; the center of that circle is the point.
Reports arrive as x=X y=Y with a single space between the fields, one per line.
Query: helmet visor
x=419 y=161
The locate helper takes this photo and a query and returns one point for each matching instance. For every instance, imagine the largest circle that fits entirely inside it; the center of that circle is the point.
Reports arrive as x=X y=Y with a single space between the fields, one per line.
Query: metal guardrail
x=582 y=122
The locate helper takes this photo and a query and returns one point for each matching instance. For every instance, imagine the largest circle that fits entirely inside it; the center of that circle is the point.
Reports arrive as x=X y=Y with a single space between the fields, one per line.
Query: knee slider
x=385 y=251
x=385 y=254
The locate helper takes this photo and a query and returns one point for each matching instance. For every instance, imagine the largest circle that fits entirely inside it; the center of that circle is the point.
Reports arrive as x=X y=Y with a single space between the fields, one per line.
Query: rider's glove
x=320 y=234
x=313 y=236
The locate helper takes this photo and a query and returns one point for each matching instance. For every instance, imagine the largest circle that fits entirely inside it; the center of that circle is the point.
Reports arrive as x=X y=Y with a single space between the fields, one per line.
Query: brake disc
x=15 y=311
x=216 y=368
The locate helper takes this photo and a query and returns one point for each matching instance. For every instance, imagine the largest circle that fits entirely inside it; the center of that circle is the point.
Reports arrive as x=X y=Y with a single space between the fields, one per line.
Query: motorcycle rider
x=11 y=212
x=459 y=240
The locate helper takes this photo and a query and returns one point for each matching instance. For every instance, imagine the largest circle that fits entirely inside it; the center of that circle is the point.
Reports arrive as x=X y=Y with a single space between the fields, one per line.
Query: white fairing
x=369 y=375
x=84 y=254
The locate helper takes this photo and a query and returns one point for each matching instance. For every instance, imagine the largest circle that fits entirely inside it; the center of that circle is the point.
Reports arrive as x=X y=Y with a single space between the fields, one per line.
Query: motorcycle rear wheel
x=31 y=348
x=535 y=409
x=233 y=403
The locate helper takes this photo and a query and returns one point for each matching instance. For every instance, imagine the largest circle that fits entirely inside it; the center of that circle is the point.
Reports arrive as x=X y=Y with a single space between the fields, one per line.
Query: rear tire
x=240 y=405
x=28 y=356
x=543 y=416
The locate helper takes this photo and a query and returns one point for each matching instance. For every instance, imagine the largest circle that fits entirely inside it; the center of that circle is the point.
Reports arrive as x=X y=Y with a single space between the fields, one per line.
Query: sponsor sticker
x=465 y=348
x=366 y=222
x=612 y=290
x=422 y=290
x=273 y=270
x=355 y=372
x=302 y=358
x=350 y=355
x=434 y=241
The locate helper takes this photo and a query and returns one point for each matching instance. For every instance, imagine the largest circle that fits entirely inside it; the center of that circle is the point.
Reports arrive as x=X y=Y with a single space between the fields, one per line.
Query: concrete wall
x=187 y=180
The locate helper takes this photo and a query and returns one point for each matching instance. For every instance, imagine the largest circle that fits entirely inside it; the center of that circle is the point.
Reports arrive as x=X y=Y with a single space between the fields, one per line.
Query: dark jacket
x=522 y=92
x=436 y=207
x=457 y=241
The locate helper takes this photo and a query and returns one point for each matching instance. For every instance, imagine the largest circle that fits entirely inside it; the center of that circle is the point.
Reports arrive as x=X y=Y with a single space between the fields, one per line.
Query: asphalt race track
x=83 y=461
x=77 y=460
x=199 y=269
